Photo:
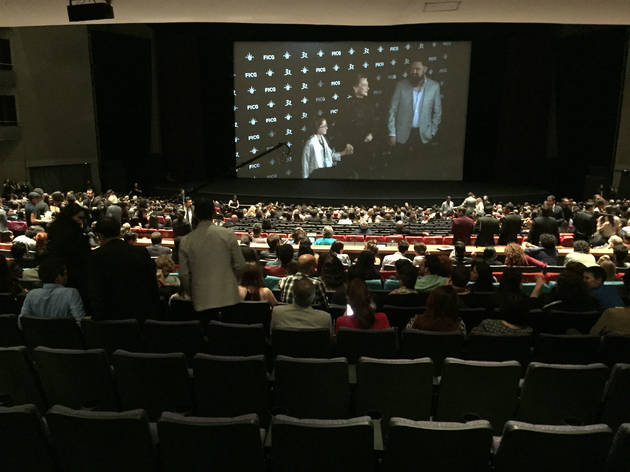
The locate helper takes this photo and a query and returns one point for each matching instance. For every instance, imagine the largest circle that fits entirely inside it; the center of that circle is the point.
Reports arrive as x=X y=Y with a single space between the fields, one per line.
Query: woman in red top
x=363 y=316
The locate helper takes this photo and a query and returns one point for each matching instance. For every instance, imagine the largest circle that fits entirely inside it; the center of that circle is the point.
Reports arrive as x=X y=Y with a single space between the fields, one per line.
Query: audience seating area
x=223 y=395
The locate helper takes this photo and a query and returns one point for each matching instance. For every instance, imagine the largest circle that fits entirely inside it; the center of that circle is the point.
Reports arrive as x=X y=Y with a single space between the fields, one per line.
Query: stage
x=360 y=192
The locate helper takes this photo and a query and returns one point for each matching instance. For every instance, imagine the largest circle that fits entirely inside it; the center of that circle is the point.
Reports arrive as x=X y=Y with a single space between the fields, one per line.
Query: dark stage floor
x=361 y=192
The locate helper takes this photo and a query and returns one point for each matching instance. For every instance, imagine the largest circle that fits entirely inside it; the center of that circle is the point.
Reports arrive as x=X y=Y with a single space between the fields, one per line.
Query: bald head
x=306 y=264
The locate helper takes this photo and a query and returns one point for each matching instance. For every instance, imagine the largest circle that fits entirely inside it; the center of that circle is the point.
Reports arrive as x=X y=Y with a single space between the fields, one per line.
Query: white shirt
x=417 y=106
x=392 y=258
x=317 y=154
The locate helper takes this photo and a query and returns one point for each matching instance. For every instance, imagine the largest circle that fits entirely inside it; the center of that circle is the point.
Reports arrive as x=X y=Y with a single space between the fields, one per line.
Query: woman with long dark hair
x=361 y=310
x=441 y=313
x=365 y=268
x=481 y=277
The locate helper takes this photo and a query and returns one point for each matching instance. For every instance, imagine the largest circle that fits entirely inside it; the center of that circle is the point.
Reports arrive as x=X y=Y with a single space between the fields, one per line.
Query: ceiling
x=332 y=12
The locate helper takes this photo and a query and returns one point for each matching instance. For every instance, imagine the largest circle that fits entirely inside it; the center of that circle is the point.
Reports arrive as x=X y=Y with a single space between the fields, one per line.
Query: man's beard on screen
x=416 y=79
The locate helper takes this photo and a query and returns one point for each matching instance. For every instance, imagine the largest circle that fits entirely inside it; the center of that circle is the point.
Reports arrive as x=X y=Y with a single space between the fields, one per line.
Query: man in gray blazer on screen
x=415 y=111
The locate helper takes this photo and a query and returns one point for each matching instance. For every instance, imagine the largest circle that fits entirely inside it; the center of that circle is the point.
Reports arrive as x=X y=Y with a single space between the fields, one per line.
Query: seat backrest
x=153 y=382
x=566 y=348
x=116 y=440
x=399 y=316
x=233 y=339
x=227 y=386
x=378 y=343
x=496 y=347
x=615 y=349
x=472 y=316
x=112 y=334
x=10 y=335
x=249 y=312
x=62 y=333
x=526 y=447
x=181 y=310
x=301 y=445
x=478 y=390
x=18 y=382
x=23 y=441
x=312 y=388
x=619 y=456
x=616 y=405
x=394 y=387
x=562 y=394
x=438 y=345
x=558 y=321
x=218 y=444
x=433 y=444
x=301 y=342
x=75 y=378
x=173 y=336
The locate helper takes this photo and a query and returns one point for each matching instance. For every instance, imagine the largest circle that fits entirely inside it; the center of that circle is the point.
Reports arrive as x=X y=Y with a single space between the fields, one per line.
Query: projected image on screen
x=351 y=110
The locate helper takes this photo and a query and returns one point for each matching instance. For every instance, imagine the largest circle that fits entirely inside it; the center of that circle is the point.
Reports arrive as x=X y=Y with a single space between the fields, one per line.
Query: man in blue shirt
x=606 y=295
x=53 y=300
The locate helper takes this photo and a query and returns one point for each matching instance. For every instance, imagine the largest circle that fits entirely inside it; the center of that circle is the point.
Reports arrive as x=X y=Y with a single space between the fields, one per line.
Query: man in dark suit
x=156 y=249
x=122 y=281
x=585 y=223
x=510 y=225
x=462 y=227
x=543 y=224
x=487 y=227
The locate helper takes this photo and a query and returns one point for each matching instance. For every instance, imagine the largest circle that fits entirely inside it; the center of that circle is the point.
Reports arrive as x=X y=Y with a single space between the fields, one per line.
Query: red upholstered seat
x=393 y=238
x=433 y=239
x=566 y=240
x=340 y=237
x=354 y=238
x=447 y=240
x=414 y=239
x=386 y=274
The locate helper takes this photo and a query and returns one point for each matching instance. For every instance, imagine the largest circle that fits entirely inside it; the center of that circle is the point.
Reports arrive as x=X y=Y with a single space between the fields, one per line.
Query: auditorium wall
x=54 y=101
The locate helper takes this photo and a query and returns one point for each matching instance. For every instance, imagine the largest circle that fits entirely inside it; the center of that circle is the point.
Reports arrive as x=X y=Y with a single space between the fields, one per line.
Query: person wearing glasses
x=317 y=152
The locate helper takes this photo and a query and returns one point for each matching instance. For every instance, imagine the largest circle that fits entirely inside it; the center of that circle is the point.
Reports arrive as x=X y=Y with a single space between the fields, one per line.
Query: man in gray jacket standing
x=415 y=111
x=210 y=263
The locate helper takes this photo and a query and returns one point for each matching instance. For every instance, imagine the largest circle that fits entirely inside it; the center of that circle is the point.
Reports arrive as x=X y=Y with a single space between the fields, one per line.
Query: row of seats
x=126 y=441
x=226 y=386
x=251 y=339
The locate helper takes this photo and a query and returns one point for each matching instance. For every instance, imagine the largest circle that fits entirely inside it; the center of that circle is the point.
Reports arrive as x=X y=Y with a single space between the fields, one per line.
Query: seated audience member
x=435 y=274
x=614 y=321
x=361 y=311
x=305 y=269
x=606 y=296
x=459 y=253
x=156 y=249
x=420 y=250
x=9 y=276
x=364 y=267
x=510 y=292
x=581 y=254
x=460 y=276
x=331 y=272
x=441 y=313
x=270 y=255
x=249 y=254
x=515 y=256
x=571 y=294
x=403 y=247
x=547 y=251
x=285 y=255
x=130 y=238
x=298 y=235
x=372 y=246
x=363 y=229
x=252 y=287
x=256 y=233
x=405 y=294
x=327 y=237
x=245 y=240
x=481 y=277
x=53 y=300
x=165 y=271
x=20 y=255
x=609 y=267
x=620 y=254
x=305 y=248
x=300 y=314
x=336 y=249
x=489 y=256
x=28 y=238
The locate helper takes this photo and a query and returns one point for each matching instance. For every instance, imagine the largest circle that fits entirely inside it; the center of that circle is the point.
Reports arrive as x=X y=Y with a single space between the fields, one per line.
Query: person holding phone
x=360 y=311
